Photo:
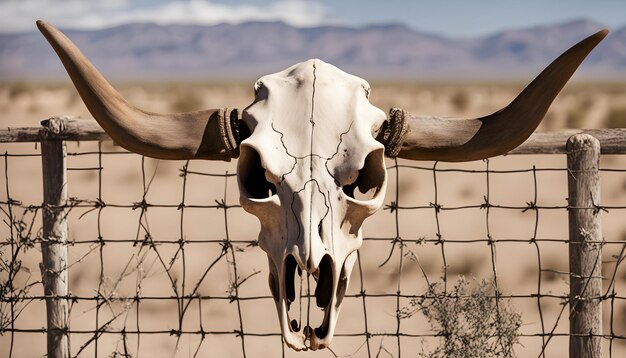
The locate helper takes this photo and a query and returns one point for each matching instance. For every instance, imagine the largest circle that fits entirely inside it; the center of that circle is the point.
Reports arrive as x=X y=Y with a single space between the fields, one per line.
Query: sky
x=454 y=18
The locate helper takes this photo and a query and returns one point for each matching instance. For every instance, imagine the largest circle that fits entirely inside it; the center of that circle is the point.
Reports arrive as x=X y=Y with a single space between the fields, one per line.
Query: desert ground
x=142 y=256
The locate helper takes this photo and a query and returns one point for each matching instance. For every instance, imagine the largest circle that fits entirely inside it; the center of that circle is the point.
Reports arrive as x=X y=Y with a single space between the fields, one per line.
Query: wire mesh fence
x=164 y=262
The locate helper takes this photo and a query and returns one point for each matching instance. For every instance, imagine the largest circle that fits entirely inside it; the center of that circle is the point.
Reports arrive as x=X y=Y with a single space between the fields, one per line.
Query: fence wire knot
x=436 y=206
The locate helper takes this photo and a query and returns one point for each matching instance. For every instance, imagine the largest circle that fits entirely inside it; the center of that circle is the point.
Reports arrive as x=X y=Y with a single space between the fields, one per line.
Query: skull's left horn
x=209 y=134
x=453 y=140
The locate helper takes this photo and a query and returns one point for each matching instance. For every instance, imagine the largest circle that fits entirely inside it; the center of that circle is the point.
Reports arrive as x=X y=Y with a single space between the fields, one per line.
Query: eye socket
x=370 y=179
x=252 y=175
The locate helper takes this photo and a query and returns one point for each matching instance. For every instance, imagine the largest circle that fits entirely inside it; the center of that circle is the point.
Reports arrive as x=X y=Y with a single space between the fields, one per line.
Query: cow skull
x=311 y=171
x=311 y=164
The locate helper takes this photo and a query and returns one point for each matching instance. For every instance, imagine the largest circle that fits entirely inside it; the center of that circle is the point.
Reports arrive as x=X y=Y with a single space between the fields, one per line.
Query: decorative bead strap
x=232 y=130
x=394 y=132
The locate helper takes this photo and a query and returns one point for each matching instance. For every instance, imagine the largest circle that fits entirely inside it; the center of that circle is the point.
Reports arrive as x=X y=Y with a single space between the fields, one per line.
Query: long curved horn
x=454 y=140
x=208 y=134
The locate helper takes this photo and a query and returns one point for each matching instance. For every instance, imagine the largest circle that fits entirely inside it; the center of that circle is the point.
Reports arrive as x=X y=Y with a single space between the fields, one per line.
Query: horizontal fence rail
x=612 y=141
x=592 y=278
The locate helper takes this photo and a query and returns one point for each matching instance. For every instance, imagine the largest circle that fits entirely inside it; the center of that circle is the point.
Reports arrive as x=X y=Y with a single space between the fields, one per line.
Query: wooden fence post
x=585 y=246
x=54 y=243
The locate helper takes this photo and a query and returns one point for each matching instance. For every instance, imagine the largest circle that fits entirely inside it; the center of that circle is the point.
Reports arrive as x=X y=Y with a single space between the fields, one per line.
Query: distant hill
x=165 y=52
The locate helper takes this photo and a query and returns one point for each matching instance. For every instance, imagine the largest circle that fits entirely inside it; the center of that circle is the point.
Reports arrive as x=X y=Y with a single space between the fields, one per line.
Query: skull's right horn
x=454 y=140
x=209 y=134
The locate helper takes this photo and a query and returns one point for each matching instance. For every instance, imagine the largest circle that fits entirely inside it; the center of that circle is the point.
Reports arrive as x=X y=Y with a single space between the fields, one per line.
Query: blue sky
x=457 y=18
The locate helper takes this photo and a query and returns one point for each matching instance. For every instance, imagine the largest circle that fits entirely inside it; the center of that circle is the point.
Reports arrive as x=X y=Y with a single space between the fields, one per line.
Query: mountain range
x=145 y=51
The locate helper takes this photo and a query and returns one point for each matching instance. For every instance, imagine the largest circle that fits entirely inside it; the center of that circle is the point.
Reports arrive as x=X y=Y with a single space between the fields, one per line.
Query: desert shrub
x=19 y=88
x=186 y=102
x=469 y=320
x=460 y=100
x=616 y=118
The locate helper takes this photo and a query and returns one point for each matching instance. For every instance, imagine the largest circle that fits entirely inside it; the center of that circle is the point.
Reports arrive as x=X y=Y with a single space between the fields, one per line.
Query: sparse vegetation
x=20 y=88
x=460 y=100
x=469 y=320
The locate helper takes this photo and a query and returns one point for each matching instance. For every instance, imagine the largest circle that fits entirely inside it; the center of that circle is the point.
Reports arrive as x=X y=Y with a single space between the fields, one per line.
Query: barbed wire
x=122 y=302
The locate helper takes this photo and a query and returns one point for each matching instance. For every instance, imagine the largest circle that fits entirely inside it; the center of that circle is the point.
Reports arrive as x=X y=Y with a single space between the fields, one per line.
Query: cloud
x=19 y=15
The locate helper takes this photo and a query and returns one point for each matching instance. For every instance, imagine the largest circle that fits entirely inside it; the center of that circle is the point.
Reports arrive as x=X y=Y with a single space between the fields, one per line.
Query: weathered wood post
x=585 y=246
x=54 y=243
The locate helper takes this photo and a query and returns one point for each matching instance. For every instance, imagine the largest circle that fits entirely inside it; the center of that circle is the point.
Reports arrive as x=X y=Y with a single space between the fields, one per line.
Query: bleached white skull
x=312 y=159
x=311 y=171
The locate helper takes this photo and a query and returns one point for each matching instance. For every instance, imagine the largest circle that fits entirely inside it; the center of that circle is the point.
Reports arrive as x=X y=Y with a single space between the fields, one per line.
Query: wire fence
x=162 y=260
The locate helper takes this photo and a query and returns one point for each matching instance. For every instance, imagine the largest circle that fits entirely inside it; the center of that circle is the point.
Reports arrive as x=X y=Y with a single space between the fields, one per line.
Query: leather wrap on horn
x=454 y=140
x=209 y=134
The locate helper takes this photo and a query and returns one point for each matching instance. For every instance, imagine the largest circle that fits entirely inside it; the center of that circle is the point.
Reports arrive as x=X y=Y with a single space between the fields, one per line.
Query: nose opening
x=324 y=294
x=293 y=285
x=324 y=289
x=290 y=285
x=300 y=292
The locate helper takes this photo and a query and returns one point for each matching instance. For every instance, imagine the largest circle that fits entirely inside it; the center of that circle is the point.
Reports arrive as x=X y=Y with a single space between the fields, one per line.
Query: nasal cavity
x=290 y=270
x=324 y=289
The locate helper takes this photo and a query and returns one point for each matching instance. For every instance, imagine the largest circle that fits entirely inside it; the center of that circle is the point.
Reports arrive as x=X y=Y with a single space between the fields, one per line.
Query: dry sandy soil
x=129 y=268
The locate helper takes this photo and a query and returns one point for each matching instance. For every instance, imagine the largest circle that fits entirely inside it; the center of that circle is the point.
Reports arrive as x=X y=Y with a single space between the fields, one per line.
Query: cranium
x=312 y=153
x=311 y=150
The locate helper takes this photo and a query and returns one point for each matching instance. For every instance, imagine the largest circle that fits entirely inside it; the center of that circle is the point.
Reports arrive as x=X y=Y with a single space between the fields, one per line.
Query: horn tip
x=41 y=24
x=599 y=36
x=45 y=27
x=602 y=33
